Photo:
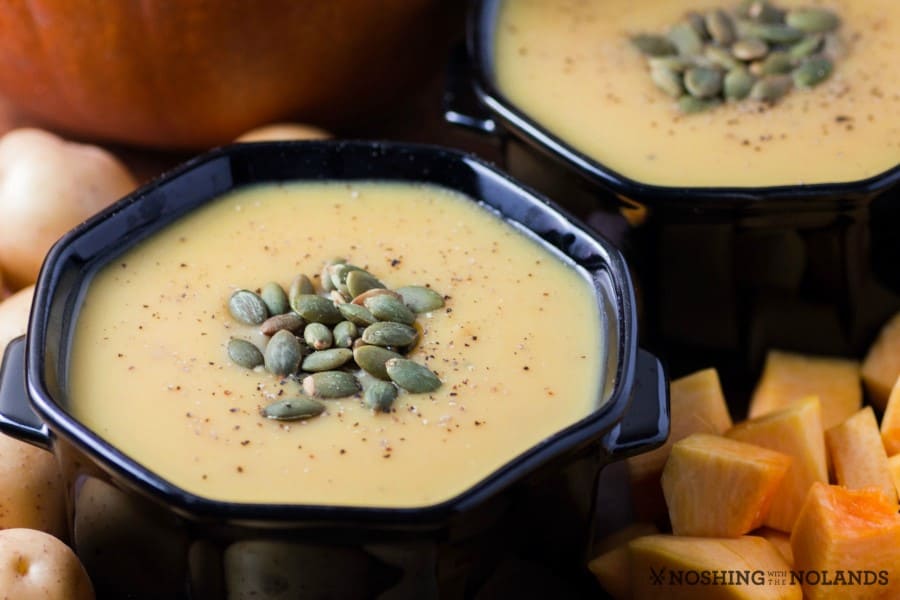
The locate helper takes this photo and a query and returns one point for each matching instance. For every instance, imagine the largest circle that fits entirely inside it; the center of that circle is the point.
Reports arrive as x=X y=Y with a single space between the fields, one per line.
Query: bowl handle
x=460 y=104
x=645 y=425
x=17 y=419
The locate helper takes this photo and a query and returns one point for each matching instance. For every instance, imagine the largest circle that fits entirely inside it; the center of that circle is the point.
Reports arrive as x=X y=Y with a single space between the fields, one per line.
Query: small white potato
x=283 y=131
x=37 y=566
x=14 y=316
x=48 y=186
x=32 y=493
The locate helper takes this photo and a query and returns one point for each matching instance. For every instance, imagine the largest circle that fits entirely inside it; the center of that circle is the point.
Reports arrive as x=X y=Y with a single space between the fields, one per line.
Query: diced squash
x=890 y=422
x=881 y=367
x=612 y=571
x=779 y=539
x=858 y=455
x=624 y=535
x=674 y=568
x=796 y=431
x=787 y=378
x=894 y=466
x=851 y=534
x=697 y=406
x=611 y=566
x=718 y=487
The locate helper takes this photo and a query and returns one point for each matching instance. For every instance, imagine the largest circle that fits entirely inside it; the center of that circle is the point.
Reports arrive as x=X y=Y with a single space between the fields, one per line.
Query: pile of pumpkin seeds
x=758 y=51
x=329 y=339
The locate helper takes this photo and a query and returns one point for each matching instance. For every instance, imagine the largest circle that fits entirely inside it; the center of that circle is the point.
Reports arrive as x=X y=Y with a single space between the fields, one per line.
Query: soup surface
x=517 y=347
x=569 y=65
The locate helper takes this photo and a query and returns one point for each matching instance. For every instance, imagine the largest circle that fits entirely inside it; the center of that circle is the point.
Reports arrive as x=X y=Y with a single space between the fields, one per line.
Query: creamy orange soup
x=517 y=347
x=569 y=65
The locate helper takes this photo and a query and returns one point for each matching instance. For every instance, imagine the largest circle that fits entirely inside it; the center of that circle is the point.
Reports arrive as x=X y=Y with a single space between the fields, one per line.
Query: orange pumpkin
x=196 y=73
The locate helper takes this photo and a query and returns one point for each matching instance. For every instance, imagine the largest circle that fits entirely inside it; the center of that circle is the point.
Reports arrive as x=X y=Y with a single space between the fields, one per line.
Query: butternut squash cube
x=697 y=406
x=853 y=535
x=881 y=367
x=858 y=455
x=788 y=377
x=621 y=537
x=894 y=466
x=745 y=478
x=611 y=566
x=890 y=422
x=797 y=432
x=779 y=539
x=676 y=568
x=612 y=571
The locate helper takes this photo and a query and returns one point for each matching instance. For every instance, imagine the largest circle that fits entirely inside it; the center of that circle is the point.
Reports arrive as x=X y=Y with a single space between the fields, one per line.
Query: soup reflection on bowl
x=517 y=347
x=570 y=66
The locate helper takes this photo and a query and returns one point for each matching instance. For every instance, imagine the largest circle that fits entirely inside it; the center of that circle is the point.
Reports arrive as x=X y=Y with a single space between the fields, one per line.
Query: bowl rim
x=480 y=28
x=573 y=439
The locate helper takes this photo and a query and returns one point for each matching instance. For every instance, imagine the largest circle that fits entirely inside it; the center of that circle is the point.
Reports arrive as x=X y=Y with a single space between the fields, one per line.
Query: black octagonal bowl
x=142 y=537
x=723 y=274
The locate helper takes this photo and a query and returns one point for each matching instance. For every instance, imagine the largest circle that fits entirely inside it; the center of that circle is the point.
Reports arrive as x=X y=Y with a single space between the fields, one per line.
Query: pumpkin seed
x=247 y=307
x=244 y=354
x=294 y=408
x=290 y=321
x=696 y=21
x=703 y=82
x=316 y=309
x=331 y=384
x=775 y=33
x=763 y=12
x=720 y=27
x=738 y=83
x=275 y=298
x=691 y=104
x=325 y=276
x=813 y=71
x=653 y=45
x=771 y=88
x=371 y=359
x=776 y=63
x=420 y=299
x=301 y=285
x=344 y=333
x=412 y=376
x=388 y=333
x=338 y=297
x=686 y=39
x=326 y=360
x=338 y=274
x=812 y=20
x=380 y=395
x=357 y=314
x=749 y=48
x=318 y=336
x=388 y=308
x=668 y=81
x=673 y=63
x=717 y=55
x=806 y=47
x=283 y=353
x=361 y=299
x=361 y=281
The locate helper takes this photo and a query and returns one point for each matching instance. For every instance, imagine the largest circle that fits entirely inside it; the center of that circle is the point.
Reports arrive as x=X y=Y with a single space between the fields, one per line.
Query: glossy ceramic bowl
x=723 y=273
x=141 y=536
